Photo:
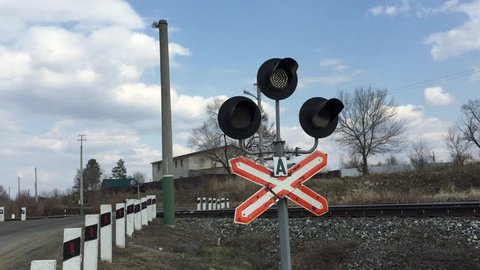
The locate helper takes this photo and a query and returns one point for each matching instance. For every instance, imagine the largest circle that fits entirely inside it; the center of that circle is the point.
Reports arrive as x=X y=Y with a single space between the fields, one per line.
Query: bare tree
x=457 y=148
x=3 y=195
x=209 y=136
x=139 y=176
x=420 y=155
x=368 y=124
x=469 y=124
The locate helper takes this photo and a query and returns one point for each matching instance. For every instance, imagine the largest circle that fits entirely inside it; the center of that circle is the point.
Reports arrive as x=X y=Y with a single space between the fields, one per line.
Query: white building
x=197 y=163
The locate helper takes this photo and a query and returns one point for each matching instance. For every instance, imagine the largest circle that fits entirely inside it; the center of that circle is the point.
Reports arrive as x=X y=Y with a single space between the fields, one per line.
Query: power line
x=419 y=84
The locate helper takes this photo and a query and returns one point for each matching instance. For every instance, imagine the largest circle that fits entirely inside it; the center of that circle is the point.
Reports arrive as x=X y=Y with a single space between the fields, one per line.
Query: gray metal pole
x=167 y=149
x=36 y=191
x=260 y=129
x=284 y=231
x=18 y=195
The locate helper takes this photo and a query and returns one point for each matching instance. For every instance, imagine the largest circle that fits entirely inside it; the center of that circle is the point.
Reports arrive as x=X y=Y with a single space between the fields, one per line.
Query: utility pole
x=9 y=196
x=18 y=195
x=82 y=139
x=36 y=190
x=167 y=149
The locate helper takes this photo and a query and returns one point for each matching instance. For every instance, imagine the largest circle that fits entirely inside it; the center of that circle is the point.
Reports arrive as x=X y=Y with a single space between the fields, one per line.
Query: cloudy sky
x=92 y=67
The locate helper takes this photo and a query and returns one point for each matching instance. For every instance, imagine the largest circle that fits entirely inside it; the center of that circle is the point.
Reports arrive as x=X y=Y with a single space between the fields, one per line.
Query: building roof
x=229 y=147
x=114 y=183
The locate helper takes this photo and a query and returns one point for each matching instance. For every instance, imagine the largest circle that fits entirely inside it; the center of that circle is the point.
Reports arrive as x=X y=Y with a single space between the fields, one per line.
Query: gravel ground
x=316 y=243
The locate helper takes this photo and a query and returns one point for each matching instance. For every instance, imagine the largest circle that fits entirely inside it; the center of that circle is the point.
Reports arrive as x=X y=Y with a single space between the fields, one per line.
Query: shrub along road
x=38 y=239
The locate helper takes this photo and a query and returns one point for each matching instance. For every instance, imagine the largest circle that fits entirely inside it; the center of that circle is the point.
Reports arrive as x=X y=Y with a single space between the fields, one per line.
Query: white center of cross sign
x=275 y=188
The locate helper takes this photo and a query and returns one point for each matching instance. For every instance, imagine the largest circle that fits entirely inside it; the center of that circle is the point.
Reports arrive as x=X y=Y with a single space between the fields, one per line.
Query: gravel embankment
x=359 y=243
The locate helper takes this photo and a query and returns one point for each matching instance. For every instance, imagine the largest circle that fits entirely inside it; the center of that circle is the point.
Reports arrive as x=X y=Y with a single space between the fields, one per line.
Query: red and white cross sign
x=276 y=188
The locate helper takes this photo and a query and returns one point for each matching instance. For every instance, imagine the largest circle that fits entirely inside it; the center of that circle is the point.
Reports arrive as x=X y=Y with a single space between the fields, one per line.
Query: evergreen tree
x=119 y=171
x=91 y=176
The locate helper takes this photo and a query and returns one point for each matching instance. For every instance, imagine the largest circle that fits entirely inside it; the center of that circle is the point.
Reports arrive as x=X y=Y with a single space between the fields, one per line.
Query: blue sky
x=91 y=67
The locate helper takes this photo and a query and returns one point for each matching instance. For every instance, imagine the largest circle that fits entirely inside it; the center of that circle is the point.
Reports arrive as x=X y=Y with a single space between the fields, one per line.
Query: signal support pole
x=167 y=155
x=284 y=234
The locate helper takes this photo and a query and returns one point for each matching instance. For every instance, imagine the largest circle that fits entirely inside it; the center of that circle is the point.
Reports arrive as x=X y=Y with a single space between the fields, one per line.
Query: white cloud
x=335 y=64
x=392 y=10
x=437 y=96
x=462 y=39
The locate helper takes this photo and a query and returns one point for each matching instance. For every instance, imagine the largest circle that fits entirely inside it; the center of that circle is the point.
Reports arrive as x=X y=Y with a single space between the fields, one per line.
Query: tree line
x=92 y=175
x=369 y=125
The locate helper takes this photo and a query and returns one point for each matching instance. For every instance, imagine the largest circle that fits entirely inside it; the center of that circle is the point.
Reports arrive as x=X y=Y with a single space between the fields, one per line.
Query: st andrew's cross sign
x=275 y=188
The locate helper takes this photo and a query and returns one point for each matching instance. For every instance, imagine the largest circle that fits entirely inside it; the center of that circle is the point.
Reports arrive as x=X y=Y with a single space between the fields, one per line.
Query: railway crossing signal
x=276 y=188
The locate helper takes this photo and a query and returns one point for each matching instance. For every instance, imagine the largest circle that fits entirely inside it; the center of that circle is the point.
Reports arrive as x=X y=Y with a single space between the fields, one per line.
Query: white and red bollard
x=144 y=212
x=2 y=214
x=72 y=258
x=43 y=265
x=120 y=225
x=90 y=247
x=138 y=215
x=154 y=204
x=23 y=213
x=106 y=232
x=130 y=205
x=149 y=208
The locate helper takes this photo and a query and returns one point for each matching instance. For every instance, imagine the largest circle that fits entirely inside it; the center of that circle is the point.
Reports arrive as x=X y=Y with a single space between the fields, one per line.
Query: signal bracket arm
x=297 y=151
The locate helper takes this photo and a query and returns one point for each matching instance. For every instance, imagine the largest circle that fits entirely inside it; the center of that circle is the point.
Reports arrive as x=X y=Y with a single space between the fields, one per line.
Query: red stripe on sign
x=72 y=248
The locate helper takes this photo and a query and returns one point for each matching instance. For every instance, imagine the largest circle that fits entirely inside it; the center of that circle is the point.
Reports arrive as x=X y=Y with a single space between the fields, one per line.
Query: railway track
x=370 y=210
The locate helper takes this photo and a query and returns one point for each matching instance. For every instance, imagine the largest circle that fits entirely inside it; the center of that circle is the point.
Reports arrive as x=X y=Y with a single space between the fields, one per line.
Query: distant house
x=117 y=183
x=197 y=163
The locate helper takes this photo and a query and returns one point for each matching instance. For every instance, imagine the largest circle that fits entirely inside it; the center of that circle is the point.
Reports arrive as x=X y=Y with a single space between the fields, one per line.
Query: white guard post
x=209 y=204
x=138 y=215
x=90 y=247
x=120 y=225
x=23 y=214
x=199 y=203
x=204 y=203
x=149 y=208
x=144 y=211
x=222 y=203
x=214 y=204
x=130 y=217
x=228 y=203
x=72 y=258
x=154 y=203
x=106 y=232
x=43 y=265
x=2 y=214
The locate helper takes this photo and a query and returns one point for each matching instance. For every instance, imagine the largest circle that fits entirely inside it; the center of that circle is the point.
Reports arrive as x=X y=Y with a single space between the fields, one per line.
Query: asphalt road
x=40 y=239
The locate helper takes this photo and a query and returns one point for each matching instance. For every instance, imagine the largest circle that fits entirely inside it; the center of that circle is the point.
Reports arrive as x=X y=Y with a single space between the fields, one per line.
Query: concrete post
x=228 y=203
x=199 y=204
x=72 y=258
x=43 y=265
x=120 y=225
x=144 y=212
x=154 y=203
x=90 y=246
x=204 y=203
x=209 y=207
x=23 y=215
x=222 y=203
x=138 y=215
x=130 y=217
x=106 y=232
x=149 y=208
x=2 y=214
